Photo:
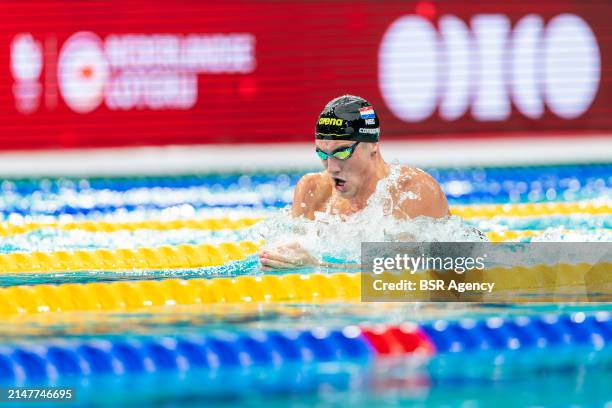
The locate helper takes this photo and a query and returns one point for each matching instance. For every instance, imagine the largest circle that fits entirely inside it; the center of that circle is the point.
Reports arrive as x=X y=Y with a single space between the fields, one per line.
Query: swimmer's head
x=347 y=134
x=348 y=117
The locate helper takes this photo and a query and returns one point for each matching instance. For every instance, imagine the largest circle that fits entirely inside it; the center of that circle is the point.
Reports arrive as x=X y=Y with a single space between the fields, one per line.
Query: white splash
x=340 y=236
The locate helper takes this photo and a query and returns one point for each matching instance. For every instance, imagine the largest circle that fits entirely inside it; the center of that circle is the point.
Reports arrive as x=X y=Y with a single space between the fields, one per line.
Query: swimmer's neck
x=378 y=171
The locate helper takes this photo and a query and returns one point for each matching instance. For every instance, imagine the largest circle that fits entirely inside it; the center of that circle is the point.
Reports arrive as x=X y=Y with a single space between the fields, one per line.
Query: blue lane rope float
x=549 y=176
x=26 y=205
x=261 y=202
x=466 y=186
x=62 y=360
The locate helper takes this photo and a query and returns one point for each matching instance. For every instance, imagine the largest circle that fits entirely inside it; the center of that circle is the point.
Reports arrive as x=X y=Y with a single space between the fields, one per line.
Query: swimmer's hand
x=287 y=256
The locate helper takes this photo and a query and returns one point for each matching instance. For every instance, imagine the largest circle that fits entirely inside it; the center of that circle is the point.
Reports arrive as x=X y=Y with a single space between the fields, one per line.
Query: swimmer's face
x=347 y=175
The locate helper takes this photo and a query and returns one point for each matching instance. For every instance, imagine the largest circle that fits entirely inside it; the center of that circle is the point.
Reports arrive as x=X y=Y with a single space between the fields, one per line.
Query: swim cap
x=348 y=117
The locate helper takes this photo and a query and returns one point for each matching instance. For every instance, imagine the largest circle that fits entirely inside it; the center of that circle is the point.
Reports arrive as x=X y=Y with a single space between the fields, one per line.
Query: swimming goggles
x=343 y=153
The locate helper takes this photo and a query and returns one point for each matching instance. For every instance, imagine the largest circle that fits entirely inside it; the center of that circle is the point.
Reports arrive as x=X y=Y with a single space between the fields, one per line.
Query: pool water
x=82 y=307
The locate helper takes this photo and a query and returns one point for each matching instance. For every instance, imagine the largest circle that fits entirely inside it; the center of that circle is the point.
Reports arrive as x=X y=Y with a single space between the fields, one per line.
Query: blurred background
x=139 y=73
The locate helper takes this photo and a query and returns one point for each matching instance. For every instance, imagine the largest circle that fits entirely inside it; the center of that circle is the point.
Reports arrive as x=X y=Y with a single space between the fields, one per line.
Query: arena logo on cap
x=330 y=121
x=146 y=71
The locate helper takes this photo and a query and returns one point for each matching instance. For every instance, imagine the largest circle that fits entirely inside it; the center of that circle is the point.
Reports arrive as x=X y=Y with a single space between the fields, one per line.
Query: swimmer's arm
x=291 y=256
x=429 y=200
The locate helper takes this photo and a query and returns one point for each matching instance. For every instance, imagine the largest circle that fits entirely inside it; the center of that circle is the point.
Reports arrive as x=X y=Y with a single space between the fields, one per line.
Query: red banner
x=123 y=73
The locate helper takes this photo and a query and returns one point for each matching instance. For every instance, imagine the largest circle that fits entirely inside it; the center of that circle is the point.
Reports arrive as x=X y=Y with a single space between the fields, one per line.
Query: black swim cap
x=348 y=117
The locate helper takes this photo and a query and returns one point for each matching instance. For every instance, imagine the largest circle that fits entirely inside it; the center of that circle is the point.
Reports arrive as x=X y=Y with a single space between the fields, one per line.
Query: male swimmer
x=347 y=142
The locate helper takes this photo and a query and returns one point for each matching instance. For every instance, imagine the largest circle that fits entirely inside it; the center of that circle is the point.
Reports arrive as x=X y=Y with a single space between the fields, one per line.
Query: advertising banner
x=125 y=73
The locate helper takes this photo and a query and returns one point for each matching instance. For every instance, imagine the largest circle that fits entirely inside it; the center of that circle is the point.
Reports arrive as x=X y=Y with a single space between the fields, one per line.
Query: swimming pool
x=147 y=291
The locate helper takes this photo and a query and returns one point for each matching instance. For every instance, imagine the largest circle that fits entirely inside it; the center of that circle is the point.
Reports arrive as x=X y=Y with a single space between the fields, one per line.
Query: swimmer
x=347 y=142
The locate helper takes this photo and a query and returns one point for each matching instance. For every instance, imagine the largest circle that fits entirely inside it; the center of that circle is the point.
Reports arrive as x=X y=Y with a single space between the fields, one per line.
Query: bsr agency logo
x=483 y=69
x=132 y=71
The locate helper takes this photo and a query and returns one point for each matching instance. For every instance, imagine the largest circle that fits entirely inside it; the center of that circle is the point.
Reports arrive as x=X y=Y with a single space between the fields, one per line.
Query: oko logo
x=488 y=67
x=330 y=121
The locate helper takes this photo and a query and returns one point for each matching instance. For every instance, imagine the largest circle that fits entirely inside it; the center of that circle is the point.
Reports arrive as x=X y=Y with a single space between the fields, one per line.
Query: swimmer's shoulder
x=420 y=194
x=413 y=177
x=311 y=193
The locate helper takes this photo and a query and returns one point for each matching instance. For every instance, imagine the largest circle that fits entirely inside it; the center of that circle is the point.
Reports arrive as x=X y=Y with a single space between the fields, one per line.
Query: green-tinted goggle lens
x=343 y=154
x=322 y=154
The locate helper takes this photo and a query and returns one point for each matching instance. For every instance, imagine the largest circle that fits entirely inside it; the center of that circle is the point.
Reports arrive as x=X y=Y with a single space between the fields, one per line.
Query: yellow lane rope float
x=464 y=211
x=7 y=228
x=531 y=209
x=138 y=296
x=163 y=257
x=124 y=296
x=511 y=235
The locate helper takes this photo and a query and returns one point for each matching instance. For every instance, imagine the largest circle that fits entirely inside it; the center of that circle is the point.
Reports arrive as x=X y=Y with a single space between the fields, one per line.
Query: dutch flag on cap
x=366 y=112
